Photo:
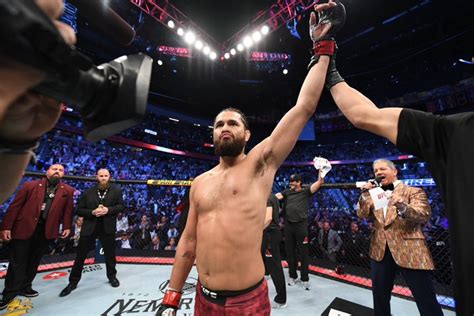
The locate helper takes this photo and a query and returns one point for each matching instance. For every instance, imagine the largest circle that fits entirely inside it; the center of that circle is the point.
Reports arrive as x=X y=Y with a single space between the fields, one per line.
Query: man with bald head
x=31 y=222
x=99 y=206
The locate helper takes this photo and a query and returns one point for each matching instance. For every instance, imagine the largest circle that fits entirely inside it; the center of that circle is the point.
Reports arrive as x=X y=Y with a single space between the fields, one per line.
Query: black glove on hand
x=331 y=18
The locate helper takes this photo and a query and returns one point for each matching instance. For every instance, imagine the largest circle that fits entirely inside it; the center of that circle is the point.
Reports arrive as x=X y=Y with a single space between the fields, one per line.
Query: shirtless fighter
x=223 y=233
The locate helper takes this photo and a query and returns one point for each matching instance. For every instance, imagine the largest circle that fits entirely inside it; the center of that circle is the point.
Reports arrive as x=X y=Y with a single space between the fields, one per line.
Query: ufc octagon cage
x=150 y=243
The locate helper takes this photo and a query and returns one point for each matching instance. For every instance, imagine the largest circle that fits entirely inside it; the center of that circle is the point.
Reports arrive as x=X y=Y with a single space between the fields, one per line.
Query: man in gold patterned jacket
x=398 y=242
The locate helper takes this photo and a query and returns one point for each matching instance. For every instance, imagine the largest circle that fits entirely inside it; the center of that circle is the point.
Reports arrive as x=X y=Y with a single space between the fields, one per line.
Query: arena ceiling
x=387 y=49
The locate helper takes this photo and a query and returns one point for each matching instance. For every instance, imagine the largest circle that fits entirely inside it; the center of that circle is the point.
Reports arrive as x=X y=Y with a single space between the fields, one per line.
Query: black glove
x=170 y=304
x=331 y=18
x=332 y=76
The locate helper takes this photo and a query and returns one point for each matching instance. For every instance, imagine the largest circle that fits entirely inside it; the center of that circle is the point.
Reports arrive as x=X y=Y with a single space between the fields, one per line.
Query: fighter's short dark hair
x=242 y=115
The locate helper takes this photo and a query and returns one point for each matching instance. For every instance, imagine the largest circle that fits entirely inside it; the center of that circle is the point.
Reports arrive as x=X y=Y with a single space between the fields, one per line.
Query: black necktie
x=48 y=200
x=388 y=187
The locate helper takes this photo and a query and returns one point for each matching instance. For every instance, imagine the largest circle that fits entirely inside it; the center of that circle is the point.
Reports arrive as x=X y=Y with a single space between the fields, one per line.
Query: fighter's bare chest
x=222 y=192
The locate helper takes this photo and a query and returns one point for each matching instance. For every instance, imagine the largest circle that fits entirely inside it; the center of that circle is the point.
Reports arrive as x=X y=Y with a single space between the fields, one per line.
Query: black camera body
x=110 y=97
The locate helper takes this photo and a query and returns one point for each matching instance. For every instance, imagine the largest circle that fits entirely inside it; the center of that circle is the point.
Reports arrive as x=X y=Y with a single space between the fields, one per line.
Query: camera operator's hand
x=25 y=116
x=35 y=115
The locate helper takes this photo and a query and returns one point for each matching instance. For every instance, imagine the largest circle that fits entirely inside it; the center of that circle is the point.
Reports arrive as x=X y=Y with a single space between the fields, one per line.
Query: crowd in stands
x=179 y=135
x=191 y=137
x=306 y=151
x=150 y=219
x=80 y=157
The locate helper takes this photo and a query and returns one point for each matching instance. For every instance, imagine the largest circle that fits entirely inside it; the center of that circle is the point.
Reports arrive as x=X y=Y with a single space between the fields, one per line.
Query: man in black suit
x=99 y=206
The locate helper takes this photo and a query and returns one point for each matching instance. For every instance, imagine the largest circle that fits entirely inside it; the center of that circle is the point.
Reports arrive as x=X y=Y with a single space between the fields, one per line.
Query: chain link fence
x=148 y=231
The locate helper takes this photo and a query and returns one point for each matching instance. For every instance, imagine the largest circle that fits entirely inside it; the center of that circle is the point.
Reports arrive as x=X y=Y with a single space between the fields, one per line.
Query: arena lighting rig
x=260 y=26
x=171 y=17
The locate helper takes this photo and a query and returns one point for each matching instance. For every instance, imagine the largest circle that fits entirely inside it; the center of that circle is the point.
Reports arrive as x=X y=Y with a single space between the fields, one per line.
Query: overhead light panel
x=256 y=36
x=190 y=37
x=198 y=44
x=247 y=41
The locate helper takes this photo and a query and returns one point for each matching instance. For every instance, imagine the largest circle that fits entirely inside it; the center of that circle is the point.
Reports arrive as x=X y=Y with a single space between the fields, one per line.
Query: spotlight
x=171 y=24
x=198 y=44
x=226 y=55
x=159 y=62
x=233 y=51
x=206 y=50
x=240 y=47
x=247 y=41
x=180 y=32
x=265 y=29
x=190 y=37
x=257 y=36
x=285 y=71
x=213 y=55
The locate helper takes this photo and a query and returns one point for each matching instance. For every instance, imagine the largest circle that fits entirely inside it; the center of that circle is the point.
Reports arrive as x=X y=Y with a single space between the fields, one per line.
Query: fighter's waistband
x=225 y=294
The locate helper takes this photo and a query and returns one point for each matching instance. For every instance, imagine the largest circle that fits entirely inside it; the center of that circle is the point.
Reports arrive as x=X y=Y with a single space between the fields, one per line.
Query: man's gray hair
x=389 y=163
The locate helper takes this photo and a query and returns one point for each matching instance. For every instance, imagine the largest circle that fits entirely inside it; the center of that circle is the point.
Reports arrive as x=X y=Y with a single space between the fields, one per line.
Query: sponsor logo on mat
x=55 y=275
x=136 y=302
x=91 y=268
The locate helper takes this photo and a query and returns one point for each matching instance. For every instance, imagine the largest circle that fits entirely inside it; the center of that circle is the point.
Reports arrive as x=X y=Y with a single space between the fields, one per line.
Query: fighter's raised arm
x=364 y=114
x=331 y=17
x=228 y=256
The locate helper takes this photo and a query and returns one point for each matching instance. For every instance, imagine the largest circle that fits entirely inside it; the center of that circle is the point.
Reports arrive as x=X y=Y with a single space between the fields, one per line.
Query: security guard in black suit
x=99 y=206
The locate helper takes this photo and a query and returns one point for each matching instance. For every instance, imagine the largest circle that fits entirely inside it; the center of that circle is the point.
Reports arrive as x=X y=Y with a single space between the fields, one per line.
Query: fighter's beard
x=104 y=186
x=232 y=149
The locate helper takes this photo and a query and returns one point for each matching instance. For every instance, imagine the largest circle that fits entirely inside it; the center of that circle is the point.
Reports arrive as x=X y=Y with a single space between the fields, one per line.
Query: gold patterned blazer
x=403 y=236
